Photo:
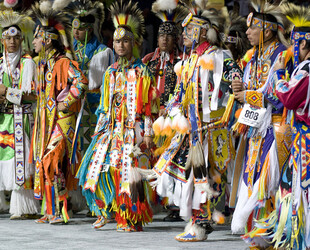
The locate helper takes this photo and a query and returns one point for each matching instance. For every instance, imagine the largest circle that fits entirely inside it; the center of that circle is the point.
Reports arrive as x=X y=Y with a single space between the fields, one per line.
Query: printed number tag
x=252 y=116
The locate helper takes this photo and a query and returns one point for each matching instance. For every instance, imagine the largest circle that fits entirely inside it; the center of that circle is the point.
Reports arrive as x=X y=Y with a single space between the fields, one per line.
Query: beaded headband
x=12 y=31
x=168 y=28
x=77 y=24
x=230 y=39
x=47 y=35
x=121 y=32
x=262 y=24
x=297 y=36
x=195 y=21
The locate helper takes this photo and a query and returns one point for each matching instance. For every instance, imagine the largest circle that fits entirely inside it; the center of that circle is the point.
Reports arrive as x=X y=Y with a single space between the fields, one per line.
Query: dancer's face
x=37 y=44
x=187 y=35
x=12 y=43
x=80 y=34
x=123 y=47
x=253 y=34
x=166 y=43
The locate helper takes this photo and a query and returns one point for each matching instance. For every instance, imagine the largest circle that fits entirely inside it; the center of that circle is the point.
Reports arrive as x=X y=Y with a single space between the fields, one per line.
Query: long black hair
x=55 y=43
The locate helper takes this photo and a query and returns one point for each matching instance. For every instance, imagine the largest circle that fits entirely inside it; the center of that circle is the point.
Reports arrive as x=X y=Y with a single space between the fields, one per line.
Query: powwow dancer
x=93 y=58
x=236 y=39
x=161 y=64
x=288 y=225
x=184 y=168
x=264 y=139
x=109 y=174
x=17 y=75
x=61 y=85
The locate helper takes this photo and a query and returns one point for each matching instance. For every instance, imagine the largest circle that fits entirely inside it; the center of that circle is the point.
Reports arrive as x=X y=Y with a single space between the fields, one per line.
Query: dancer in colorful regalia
x=288 y=225
x=17 y=76
x=264 y=137
x=236 y=39
x=161 y=63
x=109 y=174
x=61 y=85
x=195 y=163
x=93 y=58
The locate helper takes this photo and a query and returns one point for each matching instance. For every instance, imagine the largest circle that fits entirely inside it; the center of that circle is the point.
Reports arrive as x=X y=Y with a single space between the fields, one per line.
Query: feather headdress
x=129 y=15
x=170 y=13
x=88 y=13
x=299 y=16
x=217 y=22
x=50 y=14
x=195 y=7
x=273 y=18
x=199 y=16
x=169 y=10
x=9 y=18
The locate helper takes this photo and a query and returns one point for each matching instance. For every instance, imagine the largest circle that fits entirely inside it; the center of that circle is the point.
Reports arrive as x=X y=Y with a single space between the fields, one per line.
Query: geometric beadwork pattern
x=70 y=134
x=19 y=145
x=50 y=104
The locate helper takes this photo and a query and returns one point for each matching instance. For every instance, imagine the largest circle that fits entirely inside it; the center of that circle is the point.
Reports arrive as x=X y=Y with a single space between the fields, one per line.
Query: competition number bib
x=252 y=116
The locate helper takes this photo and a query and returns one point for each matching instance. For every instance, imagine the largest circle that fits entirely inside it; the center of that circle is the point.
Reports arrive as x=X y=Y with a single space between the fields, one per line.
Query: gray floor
x=78 y=234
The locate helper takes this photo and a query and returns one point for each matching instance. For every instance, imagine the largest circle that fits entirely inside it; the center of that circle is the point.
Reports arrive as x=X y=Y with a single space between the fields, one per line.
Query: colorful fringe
x=129 y=213
x=276 y=229
x=103 y=201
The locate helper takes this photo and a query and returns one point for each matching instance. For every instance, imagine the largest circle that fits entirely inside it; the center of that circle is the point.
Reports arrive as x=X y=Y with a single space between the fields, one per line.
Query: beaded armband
x=70 y=99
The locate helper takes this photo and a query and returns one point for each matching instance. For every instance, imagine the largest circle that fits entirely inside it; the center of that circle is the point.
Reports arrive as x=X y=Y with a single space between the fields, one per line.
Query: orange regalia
x=60 y=81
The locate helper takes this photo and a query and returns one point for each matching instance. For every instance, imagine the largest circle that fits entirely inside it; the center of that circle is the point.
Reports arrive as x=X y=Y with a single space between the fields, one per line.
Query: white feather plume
x=201 y=3
x=212 y=35
x=59 y=5
x=162 y=5
x=45 y=6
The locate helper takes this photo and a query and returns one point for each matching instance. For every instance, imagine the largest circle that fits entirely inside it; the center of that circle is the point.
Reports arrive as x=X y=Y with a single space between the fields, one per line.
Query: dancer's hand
x=237 y=85
x=280 y=63
x=2 y=90
x=162 y=112
x=239 y=96
x=148 y=140
x=2 y=99
x=61 y=107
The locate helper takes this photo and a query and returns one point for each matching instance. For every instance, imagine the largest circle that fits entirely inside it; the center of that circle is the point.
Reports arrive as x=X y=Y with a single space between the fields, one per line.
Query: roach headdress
x=50 y=15
x=88 y=14
x=170 y=13
x=201 y=18
x=13 y=23
x=268 y=16
x=299 y=16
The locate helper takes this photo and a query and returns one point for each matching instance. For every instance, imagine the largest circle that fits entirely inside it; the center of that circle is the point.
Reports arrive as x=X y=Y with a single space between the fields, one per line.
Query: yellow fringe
x=165 y=145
